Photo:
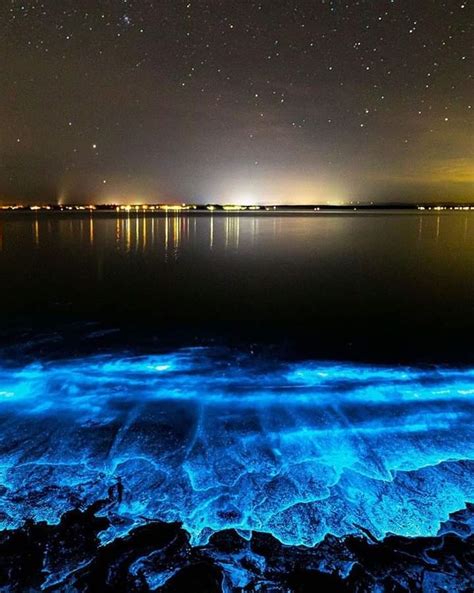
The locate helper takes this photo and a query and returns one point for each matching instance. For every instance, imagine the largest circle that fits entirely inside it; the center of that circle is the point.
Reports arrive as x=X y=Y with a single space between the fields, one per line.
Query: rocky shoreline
x=69 y=558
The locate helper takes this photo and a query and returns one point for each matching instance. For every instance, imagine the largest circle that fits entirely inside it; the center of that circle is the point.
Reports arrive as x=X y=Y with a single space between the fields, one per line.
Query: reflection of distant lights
x=36 y=232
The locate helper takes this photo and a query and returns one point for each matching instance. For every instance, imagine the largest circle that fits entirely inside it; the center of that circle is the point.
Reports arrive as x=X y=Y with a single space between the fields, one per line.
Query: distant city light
x=233 y=207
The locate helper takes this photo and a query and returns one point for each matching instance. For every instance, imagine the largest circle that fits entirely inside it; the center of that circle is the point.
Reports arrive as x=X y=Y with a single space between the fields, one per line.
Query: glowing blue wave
x=218 y=440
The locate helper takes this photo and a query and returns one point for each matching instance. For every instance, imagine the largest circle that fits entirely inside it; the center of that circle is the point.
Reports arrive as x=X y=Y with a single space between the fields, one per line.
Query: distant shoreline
x=236 y=209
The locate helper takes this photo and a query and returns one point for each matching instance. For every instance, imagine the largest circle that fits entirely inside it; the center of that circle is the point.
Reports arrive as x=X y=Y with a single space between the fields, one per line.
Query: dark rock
x=157 y=557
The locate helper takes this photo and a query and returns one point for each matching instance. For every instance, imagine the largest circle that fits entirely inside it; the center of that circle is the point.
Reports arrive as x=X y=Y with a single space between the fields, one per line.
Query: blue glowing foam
x=218 y=440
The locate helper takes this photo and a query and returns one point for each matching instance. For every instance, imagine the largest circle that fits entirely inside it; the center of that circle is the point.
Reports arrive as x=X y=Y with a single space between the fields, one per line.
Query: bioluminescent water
x=221 y=440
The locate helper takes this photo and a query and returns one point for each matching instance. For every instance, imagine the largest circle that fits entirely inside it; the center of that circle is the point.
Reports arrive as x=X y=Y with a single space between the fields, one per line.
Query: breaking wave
x=219 y=440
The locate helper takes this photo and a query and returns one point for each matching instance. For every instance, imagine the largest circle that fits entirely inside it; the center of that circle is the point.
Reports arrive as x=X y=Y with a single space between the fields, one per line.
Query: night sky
x=236 y=101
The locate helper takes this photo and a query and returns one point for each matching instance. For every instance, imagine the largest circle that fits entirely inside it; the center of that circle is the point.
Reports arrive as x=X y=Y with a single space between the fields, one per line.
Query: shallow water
x=217 y=440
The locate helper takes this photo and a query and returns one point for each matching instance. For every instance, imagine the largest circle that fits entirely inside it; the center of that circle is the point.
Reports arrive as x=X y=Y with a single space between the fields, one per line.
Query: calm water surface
x=372 y=282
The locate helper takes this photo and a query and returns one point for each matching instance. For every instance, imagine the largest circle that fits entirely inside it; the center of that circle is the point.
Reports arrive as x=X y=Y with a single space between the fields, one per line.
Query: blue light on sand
x=222 y=441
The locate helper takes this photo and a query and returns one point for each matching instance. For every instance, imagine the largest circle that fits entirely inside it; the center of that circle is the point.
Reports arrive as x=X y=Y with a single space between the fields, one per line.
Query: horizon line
x=210 y=207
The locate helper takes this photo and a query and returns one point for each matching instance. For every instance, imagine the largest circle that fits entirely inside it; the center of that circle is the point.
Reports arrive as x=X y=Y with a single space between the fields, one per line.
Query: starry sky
x=238 y=101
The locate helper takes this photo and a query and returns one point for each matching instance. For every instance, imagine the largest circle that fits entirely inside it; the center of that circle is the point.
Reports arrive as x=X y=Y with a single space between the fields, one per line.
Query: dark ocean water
x=236 y=402
x=364 y=286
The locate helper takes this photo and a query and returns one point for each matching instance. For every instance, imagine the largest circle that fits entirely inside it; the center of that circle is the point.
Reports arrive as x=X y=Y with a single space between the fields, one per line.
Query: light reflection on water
x=175 y=232
x=338 y=275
